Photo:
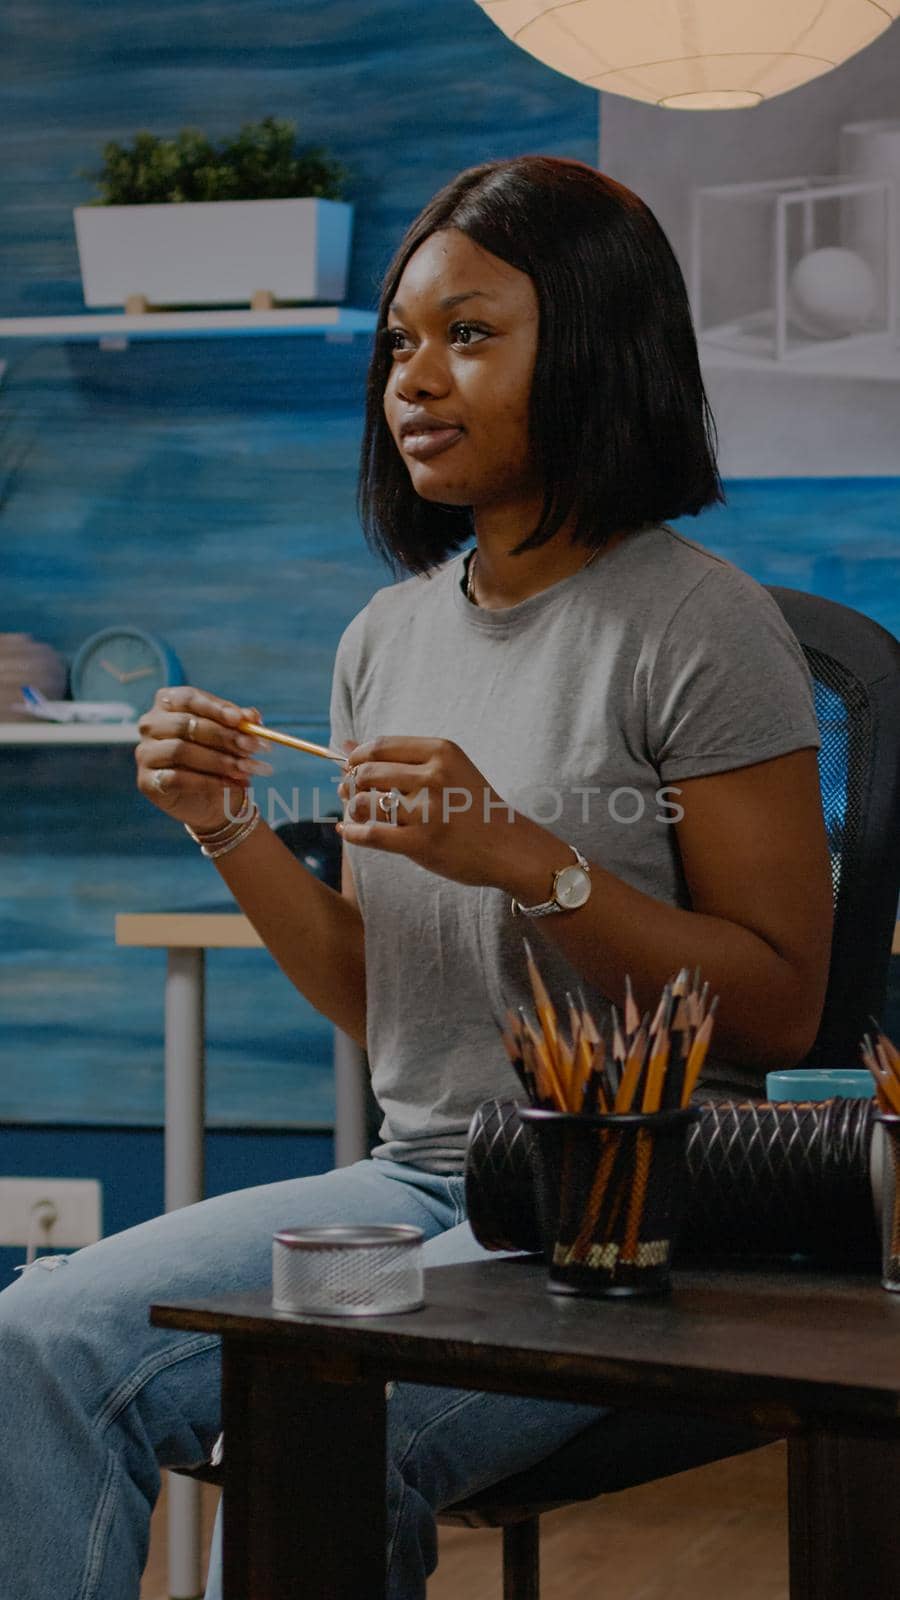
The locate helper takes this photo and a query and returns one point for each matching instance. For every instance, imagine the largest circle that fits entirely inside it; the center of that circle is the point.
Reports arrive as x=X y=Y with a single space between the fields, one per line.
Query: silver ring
x=191 y=729
x=387 y=802
x=160 y=777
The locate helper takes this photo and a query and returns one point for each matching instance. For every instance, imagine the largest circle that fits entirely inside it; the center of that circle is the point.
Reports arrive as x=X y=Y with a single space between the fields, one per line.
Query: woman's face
x=463 y=330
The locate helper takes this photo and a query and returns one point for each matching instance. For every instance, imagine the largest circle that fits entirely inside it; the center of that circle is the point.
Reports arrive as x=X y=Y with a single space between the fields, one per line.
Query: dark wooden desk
x=814 y=1356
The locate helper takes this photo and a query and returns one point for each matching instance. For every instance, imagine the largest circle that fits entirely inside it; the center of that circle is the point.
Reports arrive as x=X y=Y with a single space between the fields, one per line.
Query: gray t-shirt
x=659 y=661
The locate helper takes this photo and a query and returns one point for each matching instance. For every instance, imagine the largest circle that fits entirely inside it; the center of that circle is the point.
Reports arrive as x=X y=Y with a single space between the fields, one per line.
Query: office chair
x=855 y=667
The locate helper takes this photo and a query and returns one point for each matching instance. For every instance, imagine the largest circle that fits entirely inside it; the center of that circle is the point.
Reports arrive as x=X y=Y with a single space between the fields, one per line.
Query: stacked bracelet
x=219 y=834
x=231 y=835
x=243 y=832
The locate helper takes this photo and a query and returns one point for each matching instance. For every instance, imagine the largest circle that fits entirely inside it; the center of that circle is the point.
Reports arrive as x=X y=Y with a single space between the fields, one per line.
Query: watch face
x=573 y=887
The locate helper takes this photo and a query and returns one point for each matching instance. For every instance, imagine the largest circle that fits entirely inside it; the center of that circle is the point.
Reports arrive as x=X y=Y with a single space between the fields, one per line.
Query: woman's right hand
x=192 y=760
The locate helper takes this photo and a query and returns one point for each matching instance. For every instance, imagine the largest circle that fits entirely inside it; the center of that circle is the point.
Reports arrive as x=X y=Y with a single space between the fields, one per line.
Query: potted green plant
x=183 y=222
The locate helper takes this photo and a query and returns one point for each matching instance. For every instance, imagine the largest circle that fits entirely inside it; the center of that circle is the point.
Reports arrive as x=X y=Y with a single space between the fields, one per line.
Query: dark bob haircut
x=620 y=425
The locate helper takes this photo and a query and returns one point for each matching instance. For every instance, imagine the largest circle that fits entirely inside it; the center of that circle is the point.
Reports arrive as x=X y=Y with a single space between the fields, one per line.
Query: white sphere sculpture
x=695 y=55
x=833 y=293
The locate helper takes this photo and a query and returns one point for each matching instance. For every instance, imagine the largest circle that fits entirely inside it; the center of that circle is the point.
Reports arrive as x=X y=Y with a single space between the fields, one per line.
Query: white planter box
x=211 y=253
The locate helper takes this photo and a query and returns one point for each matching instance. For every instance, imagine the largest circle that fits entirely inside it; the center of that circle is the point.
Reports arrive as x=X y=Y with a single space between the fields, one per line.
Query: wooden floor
x=718 y=1532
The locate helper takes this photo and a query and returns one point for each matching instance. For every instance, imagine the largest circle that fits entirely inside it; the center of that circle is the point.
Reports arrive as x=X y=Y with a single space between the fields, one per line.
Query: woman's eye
x=467 y=333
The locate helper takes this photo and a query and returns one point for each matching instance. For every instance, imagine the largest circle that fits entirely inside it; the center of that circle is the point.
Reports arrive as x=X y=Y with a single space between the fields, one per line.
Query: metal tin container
x=348 y=1271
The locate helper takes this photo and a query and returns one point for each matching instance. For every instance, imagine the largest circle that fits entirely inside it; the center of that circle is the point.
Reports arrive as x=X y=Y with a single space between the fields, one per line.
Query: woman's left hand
x=424 y=798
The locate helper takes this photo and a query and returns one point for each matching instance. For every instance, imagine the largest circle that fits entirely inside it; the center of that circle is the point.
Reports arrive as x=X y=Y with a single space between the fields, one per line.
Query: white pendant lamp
x=695 y=55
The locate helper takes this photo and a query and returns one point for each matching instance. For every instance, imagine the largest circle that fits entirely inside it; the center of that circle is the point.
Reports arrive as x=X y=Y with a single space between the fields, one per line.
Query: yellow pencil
x=543 y=1065
x=295 y=744
x=656 y=1072
x=632 y=1071
x=697 y=1054
x=543 y=1004
x=632 y=1015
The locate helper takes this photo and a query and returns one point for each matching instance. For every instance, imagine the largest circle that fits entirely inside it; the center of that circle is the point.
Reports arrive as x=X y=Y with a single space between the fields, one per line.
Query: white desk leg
x=350 y=1134
x=184 y=1119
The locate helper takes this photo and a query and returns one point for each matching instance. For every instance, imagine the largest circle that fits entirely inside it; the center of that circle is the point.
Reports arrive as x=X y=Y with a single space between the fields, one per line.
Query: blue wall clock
x=124 y=663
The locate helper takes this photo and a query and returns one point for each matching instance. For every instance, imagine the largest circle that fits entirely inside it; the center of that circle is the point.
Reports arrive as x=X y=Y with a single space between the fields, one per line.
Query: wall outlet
x=76 y=1202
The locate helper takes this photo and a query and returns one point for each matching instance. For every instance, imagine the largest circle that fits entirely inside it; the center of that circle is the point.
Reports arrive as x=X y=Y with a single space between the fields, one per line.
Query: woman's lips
x=430 y=442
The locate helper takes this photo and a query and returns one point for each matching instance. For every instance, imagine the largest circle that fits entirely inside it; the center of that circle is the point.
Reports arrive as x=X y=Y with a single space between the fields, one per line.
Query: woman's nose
x=422 y=373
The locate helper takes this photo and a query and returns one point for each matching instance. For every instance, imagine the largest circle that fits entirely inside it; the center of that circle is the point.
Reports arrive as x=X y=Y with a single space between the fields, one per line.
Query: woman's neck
x=499 y=580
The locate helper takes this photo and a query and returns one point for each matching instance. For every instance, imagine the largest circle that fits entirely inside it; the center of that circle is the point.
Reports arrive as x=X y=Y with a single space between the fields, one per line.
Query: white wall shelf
x=335 y=322
x=40 y=732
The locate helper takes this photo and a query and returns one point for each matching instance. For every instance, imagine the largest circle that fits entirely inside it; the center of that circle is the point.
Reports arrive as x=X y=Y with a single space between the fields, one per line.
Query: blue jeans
x=94 y=1401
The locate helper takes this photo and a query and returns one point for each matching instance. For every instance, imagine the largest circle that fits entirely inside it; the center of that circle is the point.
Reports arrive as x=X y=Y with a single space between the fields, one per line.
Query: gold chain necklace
x=470 y=575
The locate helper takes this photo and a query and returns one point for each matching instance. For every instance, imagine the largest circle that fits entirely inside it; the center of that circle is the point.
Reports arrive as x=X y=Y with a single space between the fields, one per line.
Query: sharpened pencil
x=625 y=1093
x=697 y=1054
x=632 y=1015
x=543 y=1003
x=619 y=1047
x=305 y=745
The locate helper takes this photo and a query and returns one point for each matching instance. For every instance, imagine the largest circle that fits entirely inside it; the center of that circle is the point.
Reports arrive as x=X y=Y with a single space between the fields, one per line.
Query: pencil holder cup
x=610 y=1192
x=890 y=1201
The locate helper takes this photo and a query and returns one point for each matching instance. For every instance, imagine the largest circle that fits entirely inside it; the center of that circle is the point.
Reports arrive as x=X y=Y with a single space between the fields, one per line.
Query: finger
x=169 y=787
x=396 y=747
x=389 y=805
x=378 y=836
x=383 y=775
x=188 y=756
x=193 y=729
x=184 y=697
x=198 y=718
x=367 y=808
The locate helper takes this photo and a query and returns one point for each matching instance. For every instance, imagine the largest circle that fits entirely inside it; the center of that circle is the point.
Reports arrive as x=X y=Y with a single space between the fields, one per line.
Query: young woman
x=586 y=728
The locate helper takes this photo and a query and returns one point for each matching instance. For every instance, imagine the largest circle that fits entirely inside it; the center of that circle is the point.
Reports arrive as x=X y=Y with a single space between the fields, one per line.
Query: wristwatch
x=571 y=888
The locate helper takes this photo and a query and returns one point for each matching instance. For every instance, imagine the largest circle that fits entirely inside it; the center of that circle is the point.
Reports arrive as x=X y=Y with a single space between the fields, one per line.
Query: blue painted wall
x=404 y=93
x=129 y=1167
x=204 y=490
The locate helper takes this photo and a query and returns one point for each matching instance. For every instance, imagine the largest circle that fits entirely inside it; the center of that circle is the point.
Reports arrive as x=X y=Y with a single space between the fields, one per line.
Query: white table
x=187 y=936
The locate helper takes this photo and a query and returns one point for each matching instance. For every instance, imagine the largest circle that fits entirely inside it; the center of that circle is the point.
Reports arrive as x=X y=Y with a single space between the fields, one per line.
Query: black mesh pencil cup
x=609 y=1194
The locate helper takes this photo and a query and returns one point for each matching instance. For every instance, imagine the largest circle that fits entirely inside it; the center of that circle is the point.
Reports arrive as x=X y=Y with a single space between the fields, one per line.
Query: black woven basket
x=764 y=1180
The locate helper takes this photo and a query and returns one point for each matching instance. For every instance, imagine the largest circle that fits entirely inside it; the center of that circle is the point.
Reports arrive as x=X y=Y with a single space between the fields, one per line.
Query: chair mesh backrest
x=855 y=667
x=845 y=727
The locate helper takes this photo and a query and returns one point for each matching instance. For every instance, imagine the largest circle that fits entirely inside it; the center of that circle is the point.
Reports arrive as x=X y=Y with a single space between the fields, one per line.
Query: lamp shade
x=694 y=55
